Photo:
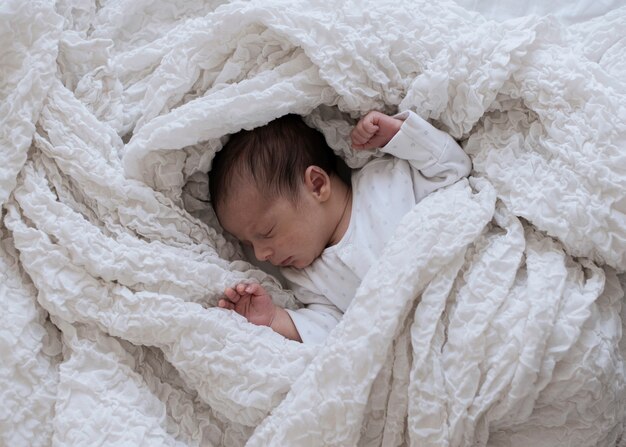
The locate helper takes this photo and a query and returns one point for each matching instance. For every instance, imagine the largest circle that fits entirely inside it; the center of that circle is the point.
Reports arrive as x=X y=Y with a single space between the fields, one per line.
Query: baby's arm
x=256 y=305
x=317 y=319
x=437 y=157
x=309 y=325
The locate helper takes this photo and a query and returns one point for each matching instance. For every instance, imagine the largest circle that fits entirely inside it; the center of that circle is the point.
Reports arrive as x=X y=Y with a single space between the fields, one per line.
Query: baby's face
x=280 y=232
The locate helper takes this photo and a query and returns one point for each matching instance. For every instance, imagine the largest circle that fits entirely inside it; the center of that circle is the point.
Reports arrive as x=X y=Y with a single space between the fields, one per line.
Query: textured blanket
x=492 y=318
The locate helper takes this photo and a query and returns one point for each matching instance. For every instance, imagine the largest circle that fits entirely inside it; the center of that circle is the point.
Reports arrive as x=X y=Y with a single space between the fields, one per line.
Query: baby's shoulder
x=380 y=166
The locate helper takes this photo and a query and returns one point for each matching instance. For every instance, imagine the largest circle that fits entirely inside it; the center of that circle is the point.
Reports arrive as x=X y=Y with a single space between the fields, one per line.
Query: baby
x=277 y=189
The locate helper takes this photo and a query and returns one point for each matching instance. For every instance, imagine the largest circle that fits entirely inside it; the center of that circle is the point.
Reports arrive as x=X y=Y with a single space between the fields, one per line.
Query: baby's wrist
x=273 y=316
x=283 y=324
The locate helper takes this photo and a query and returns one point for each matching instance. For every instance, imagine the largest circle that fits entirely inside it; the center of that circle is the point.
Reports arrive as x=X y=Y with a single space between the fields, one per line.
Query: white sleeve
x=436 y=156
x=315 y=321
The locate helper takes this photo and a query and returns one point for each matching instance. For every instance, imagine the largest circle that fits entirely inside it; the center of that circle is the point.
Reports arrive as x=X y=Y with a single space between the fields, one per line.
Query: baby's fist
x=374 y=130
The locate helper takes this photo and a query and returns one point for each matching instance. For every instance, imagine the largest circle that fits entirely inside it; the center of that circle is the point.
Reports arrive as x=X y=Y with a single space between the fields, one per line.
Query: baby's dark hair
x=274 y=156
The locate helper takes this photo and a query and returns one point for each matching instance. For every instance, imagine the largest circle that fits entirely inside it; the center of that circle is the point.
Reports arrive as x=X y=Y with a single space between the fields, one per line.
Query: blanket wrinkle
x=494 y=316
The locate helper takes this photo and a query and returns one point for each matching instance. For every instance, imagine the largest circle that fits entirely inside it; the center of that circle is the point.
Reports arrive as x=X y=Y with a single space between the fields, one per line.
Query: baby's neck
x=342 y=196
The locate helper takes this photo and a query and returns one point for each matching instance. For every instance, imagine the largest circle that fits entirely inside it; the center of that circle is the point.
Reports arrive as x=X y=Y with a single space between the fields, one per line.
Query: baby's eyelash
x=269 y=233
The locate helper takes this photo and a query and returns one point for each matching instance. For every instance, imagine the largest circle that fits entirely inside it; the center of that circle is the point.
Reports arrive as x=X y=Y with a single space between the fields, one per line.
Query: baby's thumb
x=371 y=127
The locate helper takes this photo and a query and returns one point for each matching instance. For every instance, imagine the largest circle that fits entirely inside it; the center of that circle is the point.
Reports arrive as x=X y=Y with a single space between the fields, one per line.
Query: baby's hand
x=374 y=130
x=250 y=301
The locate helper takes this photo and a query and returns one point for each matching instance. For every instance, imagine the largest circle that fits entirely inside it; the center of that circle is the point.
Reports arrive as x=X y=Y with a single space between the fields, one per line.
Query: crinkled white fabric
x=493 y=317
x=565 y=10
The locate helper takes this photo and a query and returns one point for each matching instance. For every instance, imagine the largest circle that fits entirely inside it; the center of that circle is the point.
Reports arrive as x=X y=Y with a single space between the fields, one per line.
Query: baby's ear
x=317 y=182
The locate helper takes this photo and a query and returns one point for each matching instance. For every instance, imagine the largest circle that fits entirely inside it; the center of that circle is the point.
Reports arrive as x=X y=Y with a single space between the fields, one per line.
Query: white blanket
x=493 y=317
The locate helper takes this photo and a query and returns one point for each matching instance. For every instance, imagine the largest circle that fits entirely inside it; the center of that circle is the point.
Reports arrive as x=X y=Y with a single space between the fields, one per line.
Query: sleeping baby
x=277 y=189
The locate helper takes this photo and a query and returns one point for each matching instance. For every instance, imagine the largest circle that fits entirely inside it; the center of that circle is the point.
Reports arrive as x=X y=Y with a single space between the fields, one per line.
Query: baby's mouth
x=286 y=262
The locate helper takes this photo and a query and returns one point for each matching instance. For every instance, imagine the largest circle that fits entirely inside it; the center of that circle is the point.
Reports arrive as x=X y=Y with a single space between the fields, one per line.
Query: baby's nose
x=262 y=253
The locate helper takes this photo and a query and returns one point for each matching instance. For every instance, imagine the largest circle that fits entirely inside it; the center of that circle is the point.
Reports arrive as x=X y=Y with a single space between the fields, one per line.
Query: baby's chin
x=299 y=264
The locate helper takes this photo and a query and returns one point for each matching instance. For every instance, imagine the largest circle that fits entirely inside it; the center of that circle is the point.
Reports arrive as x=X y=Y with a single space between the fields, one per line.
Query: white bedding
x=566 y=11
x=493 y=317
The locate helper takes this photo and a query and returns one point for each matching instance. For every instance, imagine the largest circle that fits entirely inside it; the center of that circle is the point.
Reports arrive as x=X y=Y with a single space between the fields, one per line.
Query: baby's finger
x=224 y=304
x=254 y=289
x=232 y=294
x=361 y=135
x=370 y=124
x=357 y=137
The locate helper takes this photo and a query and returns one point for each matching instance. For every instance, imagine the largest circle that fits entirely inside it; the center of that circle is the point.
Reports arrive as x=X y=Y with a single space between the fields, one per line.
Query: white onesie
x=422 y=159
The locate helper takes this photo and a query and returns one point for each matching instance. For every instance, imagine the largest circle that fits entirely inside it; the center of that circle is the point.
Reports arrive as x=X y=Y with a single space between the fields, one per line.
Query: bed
x=494 y=317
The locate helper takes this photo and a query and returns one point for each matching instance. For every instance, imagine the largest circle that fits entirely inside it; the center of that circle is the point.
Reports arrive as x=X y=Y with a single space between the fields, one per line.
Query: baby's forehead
x=240 y=202
x=266 y=187
x=248 y=212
